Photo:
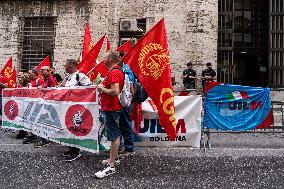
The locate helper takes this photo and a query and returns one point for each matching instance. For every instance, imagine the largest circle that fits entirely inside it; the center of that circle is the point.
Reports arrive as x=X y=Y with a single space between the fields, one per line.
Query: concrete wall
x=191 y=26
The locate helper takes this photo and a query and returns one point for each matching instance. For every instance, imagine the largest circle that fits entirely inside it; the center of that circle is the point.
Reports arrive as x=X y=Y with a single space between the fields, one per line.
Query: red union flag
x=13 y=78
x=149 y=60
x=125 y=47
x=7 y=71
x=90 y=60
x=45 y=62
x=87 y=45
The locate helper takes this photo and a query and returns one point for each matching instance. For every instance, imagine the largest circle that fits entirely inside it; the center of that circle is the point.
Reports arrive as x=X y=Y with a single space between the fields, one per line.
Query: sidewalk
x=235 y=161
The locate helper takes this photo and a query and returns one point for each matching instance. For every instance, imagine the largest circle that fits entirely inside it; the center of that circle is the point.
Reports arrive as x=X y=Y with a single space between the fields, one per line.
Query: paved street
x=235 y=161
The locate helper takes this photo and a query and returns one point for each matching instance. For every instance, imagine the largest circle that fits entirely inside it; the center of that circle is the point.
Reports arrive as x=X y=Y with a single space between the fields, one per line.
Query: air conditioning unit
x=128 y=25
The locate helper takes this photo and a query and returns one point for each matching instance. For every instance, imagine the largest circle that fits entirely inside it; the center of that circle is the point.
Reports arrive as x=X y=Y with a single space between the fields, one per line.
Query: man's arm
x=113 y=91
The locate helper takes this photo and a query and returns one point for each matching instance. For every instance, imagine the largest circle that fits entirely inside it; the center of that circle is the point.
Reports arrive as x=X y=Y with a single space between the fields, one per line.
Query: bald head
x=112 y=59
x=45 y=71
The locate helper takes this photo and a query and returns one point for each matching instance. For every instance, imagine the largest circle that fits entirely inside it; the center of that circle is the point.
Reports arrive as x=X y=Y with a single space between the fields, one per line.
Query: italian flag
x=236 y=95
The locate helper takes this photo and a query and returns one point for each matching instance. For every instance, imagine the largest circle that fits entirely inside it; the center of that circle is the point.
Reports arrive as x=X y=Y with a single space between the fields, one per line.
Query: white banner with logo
x=68 y=116
x=188 y=113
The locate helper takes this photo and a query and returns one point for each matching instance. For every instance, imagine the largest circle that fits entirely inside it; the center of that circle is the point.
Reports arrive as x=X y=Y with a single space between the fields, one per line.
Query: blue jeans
x=125 y=125
x=111 y=122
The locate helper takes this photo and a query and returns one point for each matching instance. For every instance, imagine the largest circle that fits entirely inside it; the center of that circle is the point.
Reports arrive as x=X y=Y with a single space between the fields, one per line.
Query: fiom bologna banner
x=188 y=128
x=237 y=108
x=68 y=116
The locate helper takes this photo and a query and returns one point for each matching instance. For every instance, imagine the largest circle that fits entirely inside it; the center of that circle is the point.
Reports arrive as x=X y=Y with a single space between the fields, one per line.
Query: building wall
x=191 y=26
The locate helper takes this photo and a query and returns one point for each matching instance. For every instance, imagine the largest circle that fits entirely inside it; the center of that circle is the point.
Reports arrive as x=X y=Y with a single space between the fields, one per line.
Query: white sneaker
x=106 y=172
x=116 y=162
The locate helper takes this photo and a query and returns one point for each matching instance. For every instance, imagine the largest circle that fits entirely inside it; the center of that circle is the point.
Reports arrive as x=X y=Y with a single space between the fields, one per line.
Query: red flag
x=90 y=60
x=87 y=45
x=107 y=44
x=136 y=116
x=45 y=62
x=100 y=68
x=149 y=60
x=125 y=47
x=13 y=78
x=7 y=70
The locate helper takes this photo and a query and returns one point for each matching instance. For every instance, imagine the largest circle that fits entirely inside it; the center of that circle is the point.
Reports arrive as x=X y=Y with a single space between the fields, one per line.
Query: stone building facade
x=192 y=27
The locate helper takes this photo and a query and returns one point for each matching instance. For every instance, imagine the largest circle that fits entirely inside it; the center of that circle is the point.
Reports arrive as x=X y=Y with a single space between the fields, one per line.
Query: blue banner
x=235 y=107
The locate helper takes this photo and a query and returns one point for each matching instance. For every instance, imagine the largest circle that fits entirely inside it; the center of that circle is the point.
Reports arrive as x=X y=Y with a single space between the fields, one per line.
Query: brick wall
x=191 y=26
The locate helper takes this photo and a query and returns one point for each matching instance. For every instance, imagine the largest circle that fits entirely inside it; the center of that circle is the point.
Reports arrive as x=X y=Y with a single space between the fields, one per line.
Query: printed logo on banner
x=11 y=109
x=79 y=120
x=235 y=107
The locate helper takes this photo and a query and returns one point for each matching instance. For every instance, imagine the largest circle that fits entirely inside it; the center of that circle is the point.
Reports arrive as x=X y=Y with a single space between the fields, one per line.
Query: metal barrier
x=277 y=105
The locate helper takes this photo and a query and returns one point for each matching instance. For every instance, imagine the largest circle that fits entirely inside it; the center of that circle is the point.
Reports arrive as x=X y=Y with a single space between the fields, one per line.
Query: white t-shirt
x=72 y=80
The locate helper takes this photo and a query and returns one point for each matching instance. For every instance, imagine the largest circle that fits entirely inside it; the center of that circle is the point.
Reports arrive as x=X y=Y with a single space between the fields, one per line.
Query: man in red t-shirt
x=49 y=81
x=110 y=88
x=35 y=80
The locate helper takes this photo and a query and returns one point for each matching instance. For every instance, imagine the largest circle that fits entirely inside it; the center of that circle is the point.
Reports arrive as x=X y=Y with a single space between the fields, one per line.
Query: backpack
x=140 y=95
x=125 y=95
x=78 y=79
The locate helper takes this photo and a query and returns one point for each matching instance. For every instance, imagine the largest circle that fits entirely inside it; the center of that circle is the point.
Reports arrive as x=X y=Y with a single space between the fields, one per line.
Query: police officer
x=189 y=77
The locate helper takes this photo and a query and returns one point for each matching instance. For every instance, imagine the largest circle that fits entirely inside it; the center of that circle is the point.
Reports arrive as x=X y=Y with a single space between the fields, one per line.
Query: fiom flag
x=149 y=60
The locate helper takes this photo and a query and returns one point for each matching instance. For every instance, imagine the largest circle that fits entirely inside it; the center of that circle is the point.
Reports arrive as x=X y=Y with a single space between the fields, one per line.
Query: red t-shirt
x=111 y=103
x=36 y=82
x=3 y=80
x=49 y=81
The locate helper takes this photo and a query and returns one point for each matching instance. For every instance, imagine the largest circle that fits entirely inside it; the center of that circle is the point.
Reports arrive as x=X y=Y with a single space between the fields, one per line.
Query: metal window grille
x=38 y=41
x=276 y=52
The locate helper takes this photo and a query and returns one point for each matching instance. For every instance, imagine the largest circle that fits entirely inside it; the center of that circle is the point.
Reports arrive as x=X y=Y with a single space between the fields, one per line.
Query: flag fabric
x=137 y=116
x=45 y=62
x=100 y=68
x=125 y=47
x=7 y=71
x=13 y=79
x=149 y=60
x=236 y=95
x=107 y=44
x=88 y=44
x=90 y=59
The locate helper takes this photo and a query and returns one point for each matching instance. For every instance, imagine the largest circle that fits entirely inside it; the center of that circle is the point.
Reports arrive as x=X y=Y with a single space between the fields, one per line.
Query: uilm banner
x=188 y=114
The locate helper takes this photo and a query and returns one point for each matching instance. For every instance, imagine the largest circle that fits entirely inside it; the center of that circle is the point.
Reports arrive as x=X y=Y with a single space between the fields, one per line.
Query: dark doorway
x=243 y=42
x=248 y=71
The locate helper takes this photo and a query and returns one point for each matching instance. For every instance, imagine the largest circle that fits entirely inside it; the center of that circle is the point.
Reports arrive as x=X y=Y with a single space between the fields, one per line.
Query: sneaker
x=106 y=172
x=116 y=162
x=29 y=140
x=67 y=154
x=20 y=135
x=42 y=144
x=72 y=157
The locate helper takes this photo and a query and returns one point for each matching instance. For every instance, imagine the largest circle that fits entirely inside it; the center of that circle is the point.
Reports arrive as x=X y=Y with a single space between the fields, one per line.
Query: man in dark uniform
x=208 y=75
x=189 y=77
